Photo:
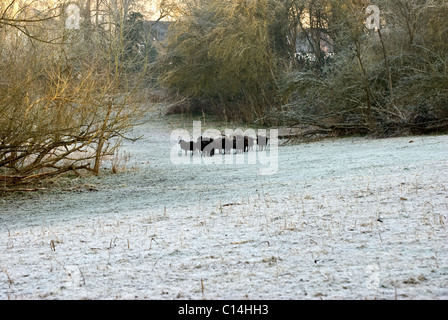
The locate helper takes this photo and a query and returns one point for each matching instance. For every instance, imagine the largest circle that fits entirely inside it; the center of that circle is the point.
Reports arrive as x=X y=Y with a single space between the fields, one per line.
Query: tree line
x=73 y=74
x=314 y=64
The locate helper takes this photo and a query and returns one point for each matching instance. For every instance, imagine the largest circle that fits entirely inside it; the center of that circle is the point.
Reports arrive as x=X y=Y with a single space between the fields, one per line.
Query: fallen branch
x=22 y=190
x=15 y=180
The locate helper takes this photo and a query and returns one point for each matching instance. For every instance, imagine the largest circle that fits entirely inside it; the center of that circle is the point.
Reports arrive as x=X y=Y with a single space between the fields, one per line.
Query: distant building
x=308 y=42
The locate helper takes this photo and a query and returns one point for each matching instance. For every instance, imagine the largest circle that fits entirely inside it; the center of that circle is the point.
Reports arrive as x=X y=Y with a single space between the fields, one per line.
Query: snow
x=351 y=218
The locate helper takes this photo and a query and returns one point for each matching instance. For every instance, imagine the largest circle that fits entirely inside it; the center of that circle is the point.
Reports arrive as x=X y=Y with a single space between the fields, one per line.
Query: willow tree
x=222 y=52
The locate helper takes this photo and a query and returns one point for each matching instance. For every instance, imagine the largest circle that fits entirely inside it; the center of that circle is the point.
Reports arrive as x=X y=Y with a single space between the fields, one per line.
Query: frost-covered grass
x=341 y=219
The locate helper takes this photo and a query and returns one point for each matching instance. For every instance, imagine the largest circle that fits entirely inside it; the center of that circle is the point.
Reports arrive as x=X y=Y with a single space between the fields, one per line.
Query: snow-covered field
x=351 y=218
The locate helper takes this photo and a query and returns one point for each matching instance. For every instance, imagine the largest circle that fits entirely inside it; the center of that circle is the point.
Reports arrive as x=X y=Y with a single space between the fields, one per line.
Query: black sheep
x=219 y=144
x=262 y=141
x=250 y=143
x=223 y=144
x=240 y=144
x=207 y=146
x=227 y=144
x=187 y=146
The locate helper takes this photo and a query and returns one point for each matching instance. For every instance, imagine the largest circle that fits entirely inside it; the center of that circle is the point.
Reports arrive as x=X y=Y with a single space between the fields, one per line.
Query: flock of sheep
x=224 y=144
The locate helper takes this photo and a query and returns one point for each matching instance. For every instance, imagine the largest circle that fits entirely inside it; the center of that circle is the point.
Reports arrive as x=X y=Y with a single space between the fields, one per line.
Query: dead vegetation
x=65 y=104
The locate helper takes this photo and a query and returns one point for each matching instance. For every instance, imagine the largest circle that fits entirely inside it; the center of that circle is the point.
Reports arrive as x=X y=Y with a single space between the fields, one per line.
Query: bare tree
x=386 y=81
x=60 y=110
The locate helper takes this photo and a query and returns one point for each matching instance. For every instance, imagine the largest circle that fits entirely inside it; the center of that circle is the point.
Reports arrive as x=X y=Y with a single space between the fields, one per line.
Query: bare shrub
x=63 y=106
